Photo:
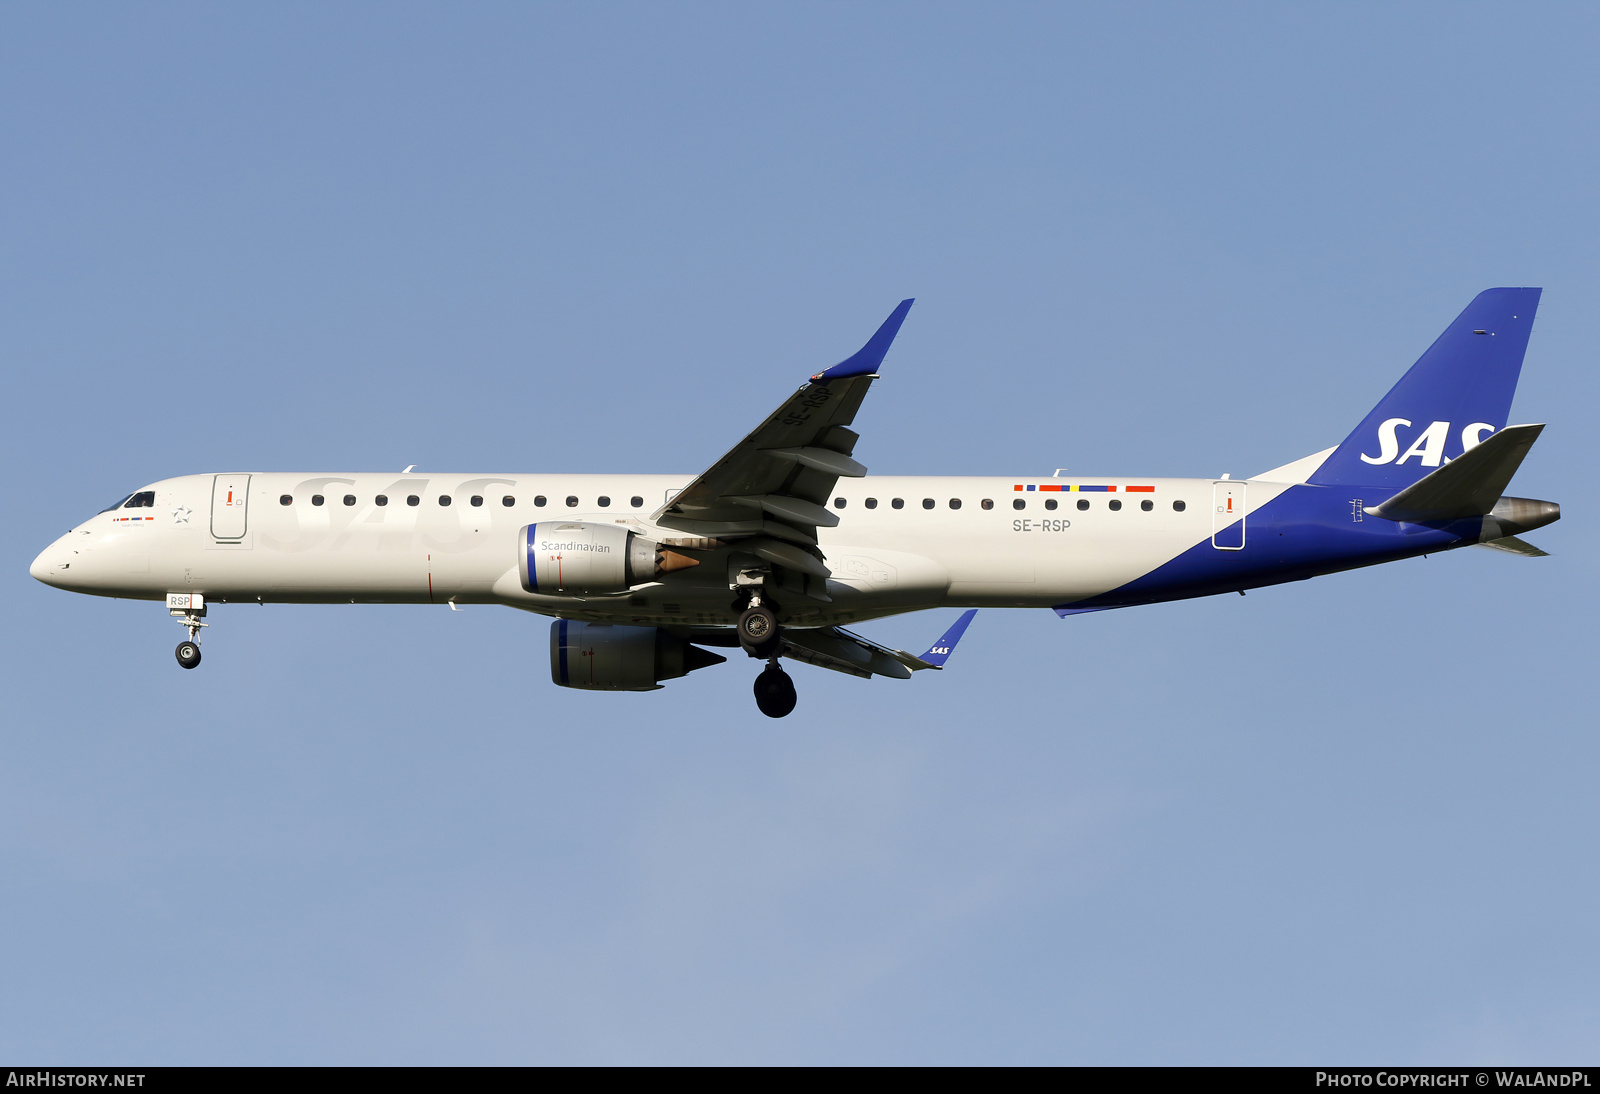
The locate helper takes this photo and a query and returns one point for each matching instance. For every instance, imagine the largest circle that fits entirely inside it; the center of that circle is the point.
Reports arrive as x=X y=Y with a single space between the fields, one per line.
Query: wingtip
x=870 y=356
x=940 y=651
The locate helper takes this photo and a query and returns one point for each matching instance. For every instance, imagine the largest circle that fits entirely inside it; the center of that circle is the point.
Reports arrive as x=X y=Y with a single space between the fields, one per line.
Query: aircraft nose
x=47 y=567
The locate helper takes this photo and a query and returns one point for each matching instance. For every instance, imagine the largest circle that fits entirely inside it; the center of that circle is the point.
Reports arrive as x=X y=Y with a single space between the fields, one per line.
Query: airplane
x=786 y=540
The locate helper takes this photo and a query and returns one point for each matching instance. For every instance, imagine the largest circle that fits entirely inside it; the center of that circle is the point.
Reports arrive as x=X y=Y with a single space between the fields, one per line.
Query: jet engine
x=608 y=657
x=571 y=558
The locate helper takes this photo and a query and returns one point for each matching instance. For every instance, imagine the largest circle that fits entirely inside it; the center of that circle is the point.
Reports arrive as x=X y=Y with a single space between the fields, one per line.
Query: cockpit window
x=144 y=499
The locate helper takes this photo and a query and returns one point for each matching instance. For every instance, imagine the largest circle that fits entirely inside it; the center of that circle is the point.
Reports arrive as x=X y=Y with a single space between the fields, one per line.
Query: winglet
x=870 y=356
x=941 y=650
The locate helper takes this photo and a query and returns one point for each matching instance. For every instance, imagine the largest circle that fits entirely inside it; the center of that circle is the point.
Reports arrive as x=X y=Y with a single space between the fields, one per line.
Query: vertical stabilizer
x=1456 y=395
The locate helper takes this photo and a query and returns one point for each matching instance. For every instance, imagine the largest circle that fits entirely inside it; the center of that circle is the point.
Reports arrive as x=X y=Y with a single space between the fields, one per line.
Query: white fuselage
x=233 y=538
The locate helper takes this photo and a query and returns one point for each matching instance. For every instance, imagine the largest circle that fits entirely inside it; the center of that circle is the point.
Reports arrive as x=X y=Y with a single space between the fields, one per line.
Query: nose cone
x=51 y=564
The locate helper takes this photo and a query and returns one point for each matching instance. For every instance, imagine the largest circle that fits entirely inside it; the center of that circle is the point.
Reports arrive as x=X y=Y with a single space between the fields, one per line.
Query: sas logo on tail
x=1429 y=444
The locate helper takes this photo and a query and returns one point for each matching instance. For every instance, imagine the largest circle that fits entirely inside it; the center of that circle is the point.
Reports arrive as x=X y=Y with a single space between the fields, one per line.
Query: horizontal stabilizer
x=1515 y=546
x=1468 y=486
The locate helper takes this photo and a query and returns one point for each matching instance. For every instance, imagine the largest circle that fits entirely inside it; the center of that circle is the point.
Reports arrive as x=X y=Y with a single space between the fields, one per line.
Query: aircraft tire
x=188 y=654
x=758 y=632
x=775 y=694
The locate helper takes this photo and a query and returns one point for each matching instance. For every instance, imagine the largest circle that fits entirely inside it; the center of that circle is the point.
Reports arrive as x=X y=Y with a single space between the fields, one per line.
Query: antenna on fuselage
x=409 y=468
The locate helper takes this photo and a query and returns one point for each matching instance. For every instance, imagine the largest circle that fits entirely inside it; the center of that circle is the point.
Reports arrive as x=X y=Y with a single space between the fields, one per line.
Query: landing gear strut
x=775 y=695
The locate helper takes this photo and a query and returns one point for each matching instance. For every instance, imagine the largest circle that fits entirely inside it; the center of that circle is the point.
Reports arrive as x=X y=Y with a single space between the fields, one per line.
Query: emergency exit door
x=1227 y=515
x=230 y=496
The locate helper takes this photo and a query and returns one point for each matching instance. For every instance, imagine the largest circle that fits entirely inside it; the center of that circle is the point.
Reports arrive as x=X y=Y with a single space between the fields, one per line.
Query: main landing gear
x=758 y=631
x=775 y=696
x=761 y=637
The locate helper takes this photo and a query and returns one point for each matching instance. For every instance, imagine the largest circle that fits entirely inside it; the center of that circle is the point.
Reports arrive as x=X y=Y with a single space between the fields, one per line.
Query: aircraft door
x=230 y=496
x=1227 y=515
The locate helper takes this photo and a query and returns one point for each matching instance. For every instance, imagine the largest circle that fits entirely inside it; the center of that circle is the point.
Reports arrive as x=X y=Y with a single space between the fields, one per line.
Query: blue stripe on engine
x=533 y=572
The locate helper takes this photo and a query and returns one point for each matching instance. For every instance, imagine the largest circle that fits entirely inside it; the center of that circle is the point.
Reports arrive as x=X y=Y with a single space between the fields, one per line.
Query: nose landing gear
x=775 y=695
x=189 y=610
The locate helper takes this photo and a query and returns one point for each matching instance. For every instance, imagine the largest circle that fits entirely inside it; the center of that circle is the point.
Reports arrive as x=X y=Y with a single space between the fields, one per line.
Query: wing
x=770 y=491
x=842 y=651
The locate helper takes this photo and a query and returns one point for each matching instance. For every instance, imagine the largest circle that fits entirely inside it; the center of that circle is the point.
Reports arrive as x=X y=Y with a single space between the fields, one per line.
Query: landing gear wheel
x=758 y=632
x=188 y=654
x=775 y=695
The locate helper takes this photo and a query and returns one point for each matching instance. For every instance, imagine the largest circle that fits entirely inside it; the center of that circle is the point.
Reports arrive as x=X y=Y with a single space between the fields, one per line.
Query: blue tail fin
x=1458 y=393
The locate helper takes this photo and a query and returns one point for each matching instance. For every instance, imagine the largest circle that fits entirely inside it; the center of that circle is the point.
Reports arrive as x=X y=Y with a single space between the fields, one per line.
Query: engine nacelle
x=610 y=657
x=567 y=558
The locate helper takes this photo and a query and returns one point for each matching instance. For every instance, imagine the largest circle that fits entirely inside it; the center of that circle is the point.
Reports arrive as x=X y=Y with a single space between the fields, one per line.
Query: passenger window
x=838 y=503
x=316 y=499
x=603 y=501
x=539 y=501
x=508 y=501
x=927 y=503
x=898 y=503
x=871 y=503
x=412 y=499
x=1049 y=503
x=286 y=499
x=1018 y=503
x=987 y=503
x=1178 y=507
x=955 y=503
x=1114 y=505
x=572 y=501
x=477 y=499
x=636 y=501
x=349 y=499
x=381 y=499
x=1083 y=503
x=444 y=499
x=145 y=499
x=1147 y=505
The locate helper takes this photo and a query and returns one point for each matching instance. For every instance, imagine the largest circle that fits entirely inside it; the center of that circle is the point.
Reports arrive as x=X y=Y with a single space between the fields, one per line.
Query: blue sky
x=1351 y=820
